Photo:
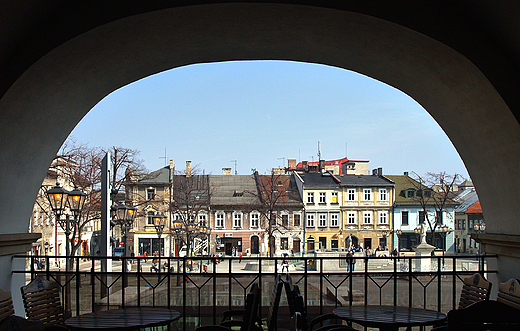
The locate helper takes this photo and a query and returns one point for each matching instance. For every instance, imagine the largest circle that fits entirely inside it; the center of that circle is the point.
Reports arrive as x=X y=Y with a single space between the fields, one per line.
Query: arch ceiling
x=459 y=61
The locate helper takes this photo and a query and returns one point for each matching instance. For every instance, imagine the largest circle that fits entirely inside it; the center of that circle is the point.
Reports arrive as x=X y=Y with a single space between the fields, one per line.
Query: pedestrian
x=349 y=261
x=285 y=263
x=240 y=258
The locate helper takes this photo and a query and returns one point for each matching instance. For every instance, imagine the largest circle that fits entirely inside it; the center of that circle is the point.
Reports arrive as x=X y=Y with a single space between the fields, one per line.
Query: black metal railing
x=202 y=288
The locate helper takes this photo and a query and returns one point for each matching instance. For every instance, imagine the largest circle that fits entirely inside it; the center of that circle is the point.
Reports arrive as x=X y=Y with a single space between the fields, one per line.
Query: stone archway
x=55 y=92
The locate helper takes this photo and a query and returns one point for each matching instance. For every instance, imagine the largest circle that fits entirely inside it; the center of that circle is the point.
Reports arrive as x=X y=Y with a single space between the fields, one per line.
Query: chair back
x=272 y=316
x=509 y=293
x=474 y=289
x=252 y=305
x=484 y=315
x=41 y=299
x=6 y=304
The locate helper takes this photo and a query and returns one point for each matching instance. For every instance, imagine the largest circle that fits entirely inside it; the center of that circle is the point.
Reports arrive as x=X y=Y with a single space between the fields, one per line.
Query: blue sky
x=259 y=112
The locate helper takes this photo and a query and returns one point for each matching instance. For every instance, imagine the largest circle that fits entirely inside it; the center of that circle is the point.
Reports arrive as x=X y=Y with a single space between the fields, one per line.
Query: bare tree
x=80 y=165
x=432 y=192
x=275 y=194
x=190 y=195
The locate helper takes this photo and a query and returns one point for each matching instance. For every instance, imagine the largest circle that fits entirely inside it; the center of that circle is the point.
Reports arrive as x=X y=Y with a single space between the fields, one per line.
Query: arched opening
x=47 y=103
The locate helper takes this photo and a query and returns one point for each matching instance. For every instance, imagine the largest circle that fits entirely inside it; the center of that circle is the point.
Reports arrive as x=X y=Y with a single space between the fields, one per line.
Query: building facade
x=409 y=214
x=346 y=210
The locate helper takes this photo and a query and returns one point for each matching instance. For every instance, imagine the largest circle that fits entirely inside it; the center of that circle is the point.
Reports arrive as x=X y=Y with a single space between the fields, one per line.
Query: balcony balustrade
x=201 y=288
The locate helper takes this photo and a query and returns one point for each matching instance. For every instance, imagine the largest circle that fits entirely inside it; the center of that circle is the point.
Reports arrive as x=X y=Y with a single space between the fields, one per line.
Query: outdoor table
x=132 y=318
x=389 y=317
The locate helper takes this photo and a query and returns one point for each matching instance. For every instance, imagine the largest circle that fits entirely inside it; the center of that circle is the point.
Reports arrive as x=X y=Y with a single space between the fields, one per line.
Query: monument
x=423 y=249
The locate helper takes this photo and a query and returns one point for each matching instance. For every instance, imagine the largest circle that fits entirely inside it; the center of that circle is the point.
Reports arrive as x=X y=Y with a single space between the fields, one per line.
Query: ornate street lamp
x=158 y=222
x=479 y=227
x=60 y=199
x=76 y=200
x=399 y=233
x=443 y=231
x=57 y=197
x=125 y=216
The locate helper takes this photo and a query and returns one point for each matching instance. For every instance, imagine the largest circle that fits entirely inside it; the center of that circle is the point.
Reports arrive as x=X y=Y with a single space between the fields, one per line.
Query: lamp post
x=399 y=233
x=125 y=218
x=60 y=199
x=479 y=228
x=386 y=234
x=158 y=223
x=443 y=231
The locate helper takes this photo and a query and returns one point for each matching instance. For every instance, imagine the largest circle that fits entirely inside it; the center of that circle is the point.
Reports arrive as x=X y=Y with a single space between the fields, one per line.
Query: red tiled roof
x=475 y=208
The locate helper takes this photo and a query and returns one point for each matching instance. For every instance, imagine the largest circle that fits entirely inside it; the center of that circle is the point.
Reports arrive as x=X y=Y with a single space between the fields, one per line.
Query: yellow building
x=345 y=210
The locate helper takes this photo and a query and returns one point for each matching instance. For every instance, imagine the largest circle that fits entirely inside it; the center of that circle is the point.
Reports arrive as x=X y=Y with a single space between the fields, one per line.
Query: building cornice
x=500 y=244
x=17 y=243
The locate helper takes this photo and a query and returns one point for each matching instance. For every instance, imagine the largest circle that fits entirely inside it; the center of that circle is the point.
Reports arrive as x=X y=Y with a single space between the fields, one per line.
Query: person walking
x=285 y=263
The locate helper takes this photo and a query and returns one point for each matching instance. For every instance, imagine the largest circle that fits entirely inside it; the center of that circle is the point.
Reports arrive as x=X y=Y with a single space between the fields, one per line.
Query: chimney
x=226 y=171
x=321 y=166
x=188 y=168
x=291 y=163
x=305 y=166
x=406 y=173
x=380 y=172
x=172 y=169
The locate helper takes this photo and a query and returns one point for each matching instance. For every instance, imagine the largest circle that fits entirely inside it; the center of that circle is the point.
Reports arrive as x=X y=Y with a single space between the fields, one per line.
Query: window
x=150 y=216
x=383 y=217
x=367 y=217
x=334 y=220
x=150 y=193
x=382 y=194
x=351 y=217
x=255 y=218
x=219 y=223
x=404 y=217
x=297 y=220
x=322 y=220
x=284 y=243
x=202 y=219
x=323 y=197
x=439 y=216
x=410 y=194
x=310 y=220
x=334 y=197
x=285 y=220
x=351 y=194
x=367 y=194
x=310 y=197
x=237 y=220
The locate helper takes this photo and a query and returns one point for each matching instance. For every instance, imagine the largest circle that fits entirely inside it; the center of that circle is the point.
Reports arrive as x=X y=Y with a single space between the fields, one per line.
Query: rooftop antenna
x=319 y=150
x=235 y=161
x=164 y=157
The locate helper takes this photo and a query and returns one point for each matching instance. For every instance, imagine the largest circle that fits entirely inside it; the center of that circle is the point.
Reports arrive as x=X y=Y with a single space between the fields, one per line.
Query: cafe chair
x=474 y=289
x=6 y=304
x=325 y=322
x=272 y=314
x=41 y=300
x=484 y=315
x=10 y=322
x=509 y=293
x=242 y=319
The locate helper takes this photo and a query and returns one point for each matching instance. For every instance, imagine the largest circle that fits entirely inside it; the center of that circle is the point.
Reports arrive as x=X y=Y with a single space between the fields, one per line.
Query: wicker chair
x=41 y=299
